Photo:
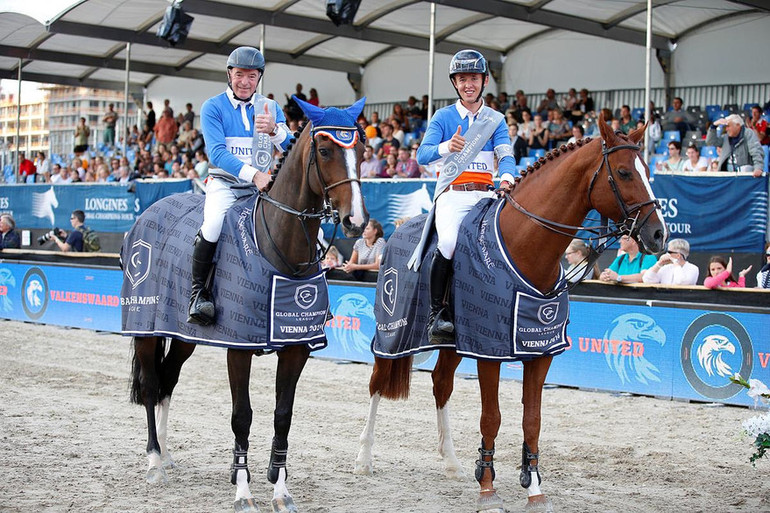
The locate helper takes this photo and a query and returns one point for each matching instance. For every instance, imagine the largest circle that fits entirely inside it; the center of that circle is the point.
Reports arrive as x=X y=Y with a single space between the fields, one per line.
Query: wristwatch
x=619 y=279
x=275 y=131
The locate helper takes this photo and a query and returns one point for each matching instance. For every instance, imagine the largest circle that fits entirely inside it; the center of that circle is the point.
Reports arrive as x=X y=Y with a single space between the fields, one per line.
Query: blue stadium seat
x=637 y=113
x=662 y=148
x=654 y=159
x=671 y=135
x=748 y=106
x=537 y=153
x=519 y=169
x=708 y=152
x=527 y=161
x=766 y=149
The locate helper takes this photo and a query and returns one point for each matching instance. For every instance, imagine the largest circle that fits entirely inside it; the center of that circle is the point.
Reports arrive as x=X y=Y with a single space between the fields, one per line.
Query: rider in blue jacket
x=469 y=75
x=229 y=122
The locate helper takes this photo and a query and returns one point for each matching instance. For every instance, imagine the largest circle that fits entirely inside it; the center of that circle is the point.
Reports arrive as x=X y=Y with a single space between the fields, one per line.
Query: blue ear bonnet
x=337 y=124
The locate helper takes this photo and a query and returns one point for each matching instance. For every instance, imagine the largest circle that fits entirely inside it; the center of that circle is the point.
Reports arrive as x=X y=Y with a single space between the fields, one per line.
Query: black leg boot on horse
x=202 y=309
x=440 y=327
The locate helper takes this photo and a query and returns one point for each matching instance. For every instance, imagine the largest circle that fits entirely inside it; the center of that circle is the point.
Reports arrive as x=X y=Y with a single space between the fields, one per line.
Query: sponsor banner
x=64 y=296
x=736 y=219
x=108 y=207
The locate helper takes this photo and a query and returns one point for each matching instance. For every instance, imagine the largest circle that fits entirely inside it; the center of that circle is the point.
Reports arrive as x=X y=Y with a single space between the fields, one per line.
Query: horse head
x=626 y=196
x=333 y=158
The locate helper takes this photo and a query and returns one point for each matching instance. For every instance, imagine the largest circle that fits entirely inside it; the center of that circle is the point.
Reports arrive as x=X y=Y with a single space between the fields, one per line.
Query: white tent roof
x=83 y=42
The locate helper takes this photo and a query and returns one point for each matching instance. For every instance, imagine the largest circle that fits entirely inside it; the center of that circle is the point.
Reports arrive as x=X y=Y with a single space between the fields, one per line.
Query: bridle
x=327 y=212
x=605 y=234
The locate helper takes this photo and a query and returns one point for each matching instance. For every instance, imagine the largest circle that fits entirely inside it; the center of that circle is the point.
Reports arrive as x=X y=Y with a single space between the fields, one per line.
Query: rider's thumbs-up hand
x=264 y=122
x=457 y=142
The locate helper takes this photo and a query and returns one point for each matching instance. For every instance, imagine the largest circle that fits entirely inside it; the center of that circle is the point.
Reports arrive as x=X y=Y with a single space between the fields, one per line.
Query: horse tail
x=136 y=395
x=391 y=377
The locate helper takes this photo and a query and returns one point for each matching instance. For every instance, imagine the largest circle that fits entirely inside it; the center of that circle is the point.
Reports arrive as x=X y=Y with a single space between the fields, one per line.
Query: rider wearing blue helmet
x=469 y=75
x=229 y=122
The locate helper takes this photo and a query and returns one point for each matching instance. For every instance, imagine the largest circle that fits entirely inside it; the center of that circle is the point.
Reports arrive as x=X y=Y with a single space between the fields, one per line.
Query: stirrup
x=440 y=329
x=202 y=310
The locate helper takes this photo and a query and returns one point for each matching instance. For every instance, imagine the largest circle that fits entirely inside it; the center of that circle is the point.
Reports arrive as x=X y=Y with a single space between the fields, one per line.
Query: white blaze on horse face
x=640 y=169
x=357 y=201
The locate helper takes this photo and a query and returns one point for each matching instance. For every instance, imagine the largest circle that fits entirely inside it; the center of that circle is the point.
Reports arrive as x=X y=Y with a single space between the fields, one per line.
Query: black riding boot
x=440 y=327
x=202 y=310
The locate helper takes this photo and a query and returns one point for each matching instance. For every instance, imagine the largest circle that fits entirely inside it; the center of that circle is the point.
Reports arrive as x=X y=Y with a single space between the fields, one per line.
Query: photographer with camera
x=73 y=241
x=9 y=237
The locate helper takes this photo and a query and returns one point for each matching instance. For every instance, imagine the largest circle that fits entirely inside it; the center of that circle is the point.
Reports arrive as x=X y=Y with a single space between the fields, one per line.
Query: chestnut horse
x=319 y=178
x=544 y=211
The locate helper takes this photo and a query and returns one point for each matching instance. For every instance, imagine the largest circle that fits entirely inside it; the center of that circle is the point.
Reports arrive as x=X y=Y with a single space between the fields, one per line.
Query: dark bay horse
x=318 y=178
x=537 y=222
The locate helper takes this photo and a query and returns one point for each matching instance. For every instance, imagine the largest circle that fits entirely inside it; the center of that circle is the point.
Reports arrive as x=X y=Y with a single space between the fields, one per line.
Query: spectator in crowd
x=145 y=138
x=9 y=237
x=672 y=268
x=74 y=240
x=424 y=108
x=518 y=143
x=548 y=103
x=577 y=256
x=165 y=128
x=167 y=106
x=577 y=133
x=721 y=274
x=189 y=115
x=569 y=102
x=538 y=137
x=367 y=251
x=677 y=118
x=43 y=168
x=150 y=117
x=62 y=177
x=27 y=170
x=694 y=161
x=558 y=129
x=521 y=107
x=763 y=276
x=526 y=125
x=627 y=123
x=82 y=133
x=759 y=125
x=370 y=166
x=400 y=115
x=332 y=258
x=388 y=169
x=314 y=100
x=375 y=121
x=740 y=147
x=388 y=141
x=195 y=142
x=675 y=162
x=406 y=167
x=628 y=267
x=185 y=132
x=398 y=131
x=615 y=125
x=585 y=105
x=110 y=119
x=292 y=109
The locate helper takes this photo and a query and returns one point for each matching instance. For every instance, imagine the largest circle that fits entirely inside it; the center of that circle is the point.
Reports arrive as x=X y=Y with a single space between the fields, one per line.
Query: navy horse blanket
x=257 y=307
x=498 y=314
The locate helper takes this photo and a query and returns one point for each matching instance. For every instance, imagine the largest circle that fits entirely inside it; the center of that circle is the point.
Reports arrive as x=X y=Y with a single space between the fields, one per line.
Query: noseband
x=327 y=212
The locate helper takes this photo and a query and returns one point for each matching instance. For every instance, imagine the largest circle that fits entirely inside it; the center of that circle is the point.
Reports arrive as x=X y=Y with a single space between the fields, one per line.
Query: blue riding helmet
x=468 y=61
x=246 y=57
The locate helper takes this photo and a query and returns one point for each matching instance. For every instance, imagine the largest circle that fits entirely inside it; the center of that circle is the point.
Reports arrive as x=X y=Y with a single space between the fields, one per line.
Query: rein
x=605 y=234
x=327 y=212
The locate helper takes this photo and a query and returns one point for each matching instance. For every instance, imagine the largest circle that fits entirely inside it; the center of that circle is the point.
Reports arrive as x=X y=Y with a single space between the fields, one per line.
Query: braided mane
x=551 y=155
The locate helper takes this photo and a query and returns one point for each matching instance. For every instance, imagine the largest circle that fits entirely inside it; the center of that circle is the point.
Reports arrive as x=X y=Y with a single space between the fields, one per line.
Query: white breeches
x=219 y=199
x=451 y=209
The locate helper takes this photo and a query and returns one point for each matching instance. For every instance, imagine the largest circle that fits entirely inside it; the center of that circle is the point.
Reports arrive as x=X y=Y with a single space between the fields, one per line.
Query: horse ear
x=606 y=131
x=356 y=109
x=637 y=134
x=313 y=113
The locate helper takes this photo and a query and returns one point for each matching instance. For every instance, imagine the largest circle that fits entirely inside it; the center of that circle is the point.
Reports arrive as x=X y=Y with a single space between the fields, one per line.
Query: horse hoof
x=284 y=505
x=489 y=503
x=455 y=473
x=168 y=462
x=156 y=475
x=363 y=469
x=246 y=506
x=539 y=504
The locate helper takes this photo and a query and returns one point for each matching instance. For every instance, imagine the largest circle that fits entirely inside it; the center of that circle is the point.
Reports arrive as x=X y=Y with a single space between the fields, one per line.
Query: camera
x=46 y=237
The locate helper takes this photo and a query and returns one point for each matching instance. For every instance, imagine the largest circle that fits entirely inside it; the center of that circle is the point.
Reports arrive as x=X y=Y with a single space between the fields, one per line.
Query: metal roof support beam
x=193 y=45
x=554 y=19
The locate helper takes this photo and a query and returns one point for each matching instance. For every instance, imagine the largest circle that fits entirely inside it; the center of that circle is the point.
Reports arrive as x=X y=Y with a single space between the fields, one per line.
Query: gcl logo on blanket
x=306 y=295
x=389 y=290
x=138 y=267
x=546 y=314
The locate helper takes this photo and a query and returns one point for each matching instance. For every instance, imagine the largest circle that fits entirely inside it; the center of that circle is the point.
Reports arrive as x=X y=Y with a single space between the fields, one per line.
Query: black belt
x=472 y=187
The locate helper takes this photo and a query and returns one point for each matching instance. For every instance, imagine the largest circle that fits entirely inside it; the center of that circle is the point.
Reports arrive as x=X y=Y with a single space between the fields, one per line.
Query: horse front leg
x=535 y=372
x=239 y=372
x=443 y=384
x=489 y=384
x=291 y=361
